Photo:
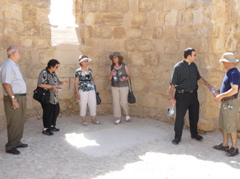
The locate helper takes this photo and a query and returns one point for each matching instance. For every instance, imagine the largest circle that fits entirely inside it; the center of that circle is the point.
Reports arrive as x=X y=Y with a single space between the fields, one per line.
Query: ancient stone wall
x=151 y=34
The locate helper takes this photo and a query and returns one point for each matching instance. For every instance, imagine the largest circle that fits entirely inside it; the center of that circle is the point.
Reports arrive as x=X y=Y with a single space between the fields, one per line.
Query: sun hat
x=85 y=58
x=116 y=54
x=228 y=57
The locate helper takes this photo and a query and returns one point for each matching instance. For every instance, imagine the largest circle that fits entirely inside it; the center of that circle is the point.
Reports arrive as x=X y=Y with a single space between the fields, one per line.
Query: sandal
x=96 y=122
x=232 y=152
x=117 y=121
x=221 y=147
x=128 y=119
x=84 y=123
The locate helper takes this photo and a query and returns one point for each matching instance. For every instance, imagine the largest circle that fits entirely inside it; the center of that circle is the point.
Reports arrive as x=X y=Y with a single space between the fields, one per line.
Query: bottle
x=171 y=110
x=213 y=90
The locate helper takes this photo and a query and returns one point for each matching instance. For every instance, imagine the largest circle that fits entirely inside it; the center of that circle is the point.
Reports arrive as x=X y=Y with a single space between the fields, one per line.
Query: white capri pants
x=120 y=95
x=87 y=98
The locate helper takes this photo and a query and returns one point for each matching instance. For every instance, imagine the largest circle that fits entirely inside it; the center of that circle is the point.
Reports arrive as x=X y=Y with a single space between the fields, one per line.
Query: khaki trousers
x=120 y=95
x=15 y=120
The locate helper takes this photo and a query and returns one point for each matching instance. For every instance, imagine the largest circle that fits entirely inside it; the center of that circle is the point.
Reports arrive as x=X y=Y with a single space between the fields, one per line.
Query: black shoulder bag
x=131 y=97
x=42 y=95
x=99 y=101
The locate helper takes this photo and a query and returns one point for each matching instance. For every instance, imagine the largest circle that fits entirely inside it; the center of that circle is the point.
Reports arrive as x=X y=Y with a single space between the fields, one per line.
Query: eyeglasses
x=19 y=52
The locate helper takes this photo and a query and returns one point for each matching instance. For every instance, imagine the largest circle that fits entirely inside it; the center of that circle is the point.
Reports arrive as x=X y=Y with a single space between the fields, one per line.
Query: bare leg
x=94 y=120
x=234 y=139
x=225 y=137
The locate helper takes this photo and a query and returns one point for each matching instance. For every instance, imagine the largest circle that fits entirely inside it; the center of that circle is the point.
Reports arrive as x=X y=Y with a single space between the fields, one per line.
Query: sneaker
x=232 y=152
x=117 y=121
x=47 y=132
x=128 y=119
x=54 y=129
x=197 y=137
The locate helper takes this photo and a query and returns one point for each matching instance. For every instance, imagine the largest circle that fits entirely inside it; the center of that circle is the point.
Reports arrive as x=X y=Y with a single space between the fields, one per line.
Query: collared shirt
x=45 y=77
x=185 y=76
x=11 y=74
x=232 y=77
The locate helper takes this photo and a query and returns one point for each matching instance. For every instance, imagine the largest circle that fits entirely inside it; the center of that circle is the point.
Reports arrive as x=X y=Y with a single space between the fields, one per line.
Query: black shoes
x=197 y=137
x=13 y=151
x=47 y=132
x=22 y=146
x=54 y=129
x=175 y=141
x=232 y=152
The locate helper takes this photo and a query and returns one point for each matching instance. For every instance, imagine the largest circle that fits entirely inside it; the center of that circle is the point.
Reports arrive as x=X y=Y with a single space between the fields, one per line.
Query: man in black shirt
x=185 y=78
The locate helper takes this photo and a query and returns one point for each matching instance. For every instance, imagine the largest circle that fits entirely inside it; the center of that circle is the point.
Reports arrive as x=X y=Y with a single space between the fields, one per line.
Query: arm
x=76 y=81
x=63 y=82
x=48 y=87
x=128 y=74
x=204 y=82
x=231 y=92
x=171 y=95
x=8 y=88
x=111 y=73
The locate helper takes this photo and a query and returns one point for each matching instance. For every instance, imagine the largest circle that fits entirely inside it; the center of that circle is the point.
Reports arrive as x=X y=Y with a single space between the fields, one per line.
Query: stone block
x=86 y=31
x=29 y=14
x=171 y=45
x=148 y=100
x=145 y=5
x=217 y=45
x=100 y=31
x=42 y=15
x=152 y=19
x=133 y=6
x=90 y=5
x=207 y=125
x=130 y=45
x=144 y=45
x=119 y=6
x=113 y=19
x=137 y=59
x=12 y=11
x=157 y=33
x=160 y=6
x=119 y=33
x=45 y=56
x=114 y=45
x=133 y=32
x=127 y=18
x=185 y=17
x=20 y=28
x=46 y=30
x=139 y=19
x=186 y=32
x=32 y=29
x=146 y=33
x=103 y=6
x=171 y=18
x=89 y=18
x=175 y=5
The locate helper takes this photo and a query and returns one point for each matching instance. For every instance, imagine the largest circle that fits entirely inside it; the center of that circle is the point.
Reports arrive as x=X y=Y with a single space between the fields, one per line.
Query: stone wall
x=151 y=34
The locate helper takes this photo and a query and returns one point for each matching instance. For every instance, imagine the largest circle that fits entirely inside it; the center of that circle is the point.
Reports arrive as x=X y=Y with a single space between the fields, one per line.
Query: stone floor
x=140 y=149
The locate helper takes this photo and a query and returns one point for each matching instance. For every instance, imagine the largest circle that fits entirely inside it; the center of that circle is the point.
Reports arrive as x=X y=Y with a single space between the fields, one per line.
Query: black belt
x=183 y=91
x=23 y=94
x=229 y=98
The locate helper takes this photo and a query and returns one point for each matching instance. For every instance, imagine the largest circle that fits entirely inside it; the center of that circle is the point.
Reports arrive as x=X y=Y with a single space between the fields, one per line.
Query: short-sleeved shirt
x=120 y=73
x=185 y=76
x=45 y=77
x=232 y=77
x=11 y=74
x=85 y=80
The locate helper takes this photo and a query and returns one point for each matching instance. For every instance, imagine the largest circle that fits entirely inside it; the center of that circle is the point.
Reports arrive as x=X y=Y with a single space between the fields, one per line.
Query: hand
x=15 y=104
x=113 y=72
x=65 y=82
x=172 y=102
x=218 y=98
x=54 y=88
x=77 y=96
x=122 y=79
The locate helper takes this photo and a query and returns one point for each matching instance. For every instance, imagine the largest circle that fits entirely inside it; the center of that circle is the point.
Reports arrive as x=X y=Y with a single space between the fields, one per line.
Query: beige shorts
x=228 y=115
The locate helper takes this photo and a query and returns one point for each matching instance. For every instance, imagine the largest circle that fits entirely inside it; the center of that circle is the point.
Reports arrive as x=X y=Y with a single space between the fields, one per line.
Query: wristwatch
x=12 y=97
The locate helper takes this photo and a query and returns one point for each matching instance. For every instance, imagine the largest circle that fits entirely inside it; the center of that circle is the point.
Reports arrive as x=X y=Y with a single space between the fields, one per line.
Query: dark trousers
x=184 y=102
x=15 y=120
x=50 y=114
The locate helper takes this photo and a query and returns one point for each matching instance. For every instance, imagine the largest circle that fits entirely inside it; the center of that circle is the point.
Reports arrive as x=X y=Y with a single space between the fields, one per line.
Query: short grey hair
x=12 y=49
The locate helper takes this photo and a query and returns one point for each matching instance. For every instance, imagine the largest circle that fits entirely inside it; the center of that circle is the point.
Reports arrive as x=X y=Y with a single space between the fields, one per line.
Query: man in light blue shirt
x=14 y=91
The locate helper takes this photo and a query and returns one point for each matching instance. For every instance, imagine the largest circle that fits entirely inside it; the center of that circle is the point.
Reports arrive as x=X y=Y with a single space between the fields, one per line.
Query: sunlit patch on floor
x=79 y=141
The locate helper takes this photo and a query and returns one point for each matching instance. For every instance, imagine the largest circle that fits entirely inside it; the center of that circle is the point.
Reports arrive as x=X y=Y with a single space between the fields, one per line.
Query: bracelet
x=170 y=98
